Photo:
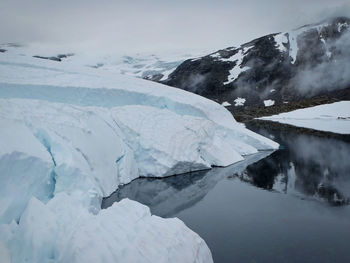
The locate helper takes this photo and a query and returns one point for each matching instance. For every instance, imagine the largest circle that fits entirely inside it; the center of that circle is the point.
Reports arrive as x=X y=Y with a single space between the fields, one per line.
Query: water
x=290 y=205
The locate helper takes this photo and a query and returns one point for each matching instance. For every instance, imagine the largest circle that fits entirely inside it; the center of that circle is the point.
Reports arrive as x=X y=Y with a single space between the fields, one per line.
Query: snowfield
x=70 y=135
x=334 y=117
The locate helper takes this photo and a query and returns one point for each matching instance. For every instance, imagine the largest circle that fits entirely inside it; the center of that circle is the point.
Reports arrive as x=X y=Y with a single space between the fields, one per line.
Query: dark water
x=290 y=205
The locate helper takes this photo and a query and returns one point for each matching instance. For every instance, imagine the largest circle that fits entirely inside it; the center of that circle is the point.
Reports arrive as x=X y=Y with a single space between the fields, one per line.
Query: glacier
x=71 y=134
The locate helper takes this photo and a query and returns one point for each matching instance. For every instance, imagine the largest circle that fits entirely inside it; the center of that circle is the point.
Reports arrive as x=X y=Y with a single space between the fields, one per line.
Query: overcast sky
x=141 y=26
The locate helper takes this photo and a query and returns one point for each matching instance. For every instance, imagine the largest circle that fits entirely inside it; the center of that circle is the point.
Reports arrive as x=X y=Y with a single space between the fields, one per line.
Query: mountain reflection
x=306 y=166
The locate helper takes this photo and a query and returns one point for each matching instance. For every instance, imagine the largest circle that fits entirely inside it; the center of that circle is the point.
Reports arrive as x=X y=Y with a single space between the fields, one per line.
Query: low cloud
x=332 y=74
x=136 y=26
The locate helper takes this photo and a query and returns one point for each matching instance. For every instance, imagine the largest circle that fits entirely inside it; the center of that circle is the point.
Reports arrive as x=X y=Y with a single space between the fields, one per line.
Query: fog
x=332 y=74
x=142 y=26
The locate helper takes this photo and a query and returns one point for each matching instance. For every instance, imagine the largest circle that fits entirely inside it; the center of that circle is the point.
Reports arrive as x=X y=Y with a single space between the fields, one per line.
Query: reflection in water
x=306 y=165
x=170 y=195
x=242 y=222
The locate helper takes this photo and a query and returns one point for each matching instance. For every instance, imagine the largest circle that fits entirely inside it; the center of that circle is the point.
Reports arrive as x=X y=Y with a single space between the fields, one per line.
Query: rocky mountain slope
x=310 y=62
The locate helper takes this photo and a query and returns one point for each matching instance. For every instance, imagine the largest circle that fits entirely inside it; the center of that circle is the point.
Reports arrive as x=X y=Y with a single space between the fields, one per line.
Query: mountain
x=278 y=69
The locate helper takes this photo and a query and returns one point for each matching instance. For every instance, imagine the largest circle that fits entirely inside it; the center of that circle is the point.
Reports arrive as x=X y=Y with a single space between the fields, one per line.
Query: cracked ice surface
x=71 y=135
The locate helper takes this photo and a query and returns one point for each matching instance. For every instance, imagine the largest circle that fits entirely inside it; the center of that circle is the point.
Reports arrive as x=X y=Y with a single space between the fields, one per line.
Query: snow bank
x=269 y=103
x=333 y=117
x=281 y=42
x=239 y=101
x=237 y=69
x=71 y=135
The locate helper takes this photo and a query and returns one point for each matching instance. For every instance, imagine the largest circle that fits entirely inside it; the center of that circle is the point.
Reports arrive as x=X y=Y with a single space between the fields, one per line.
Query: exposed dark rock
x=269 y=68
x=58 y=58
x=2 y=50
x=50 y=58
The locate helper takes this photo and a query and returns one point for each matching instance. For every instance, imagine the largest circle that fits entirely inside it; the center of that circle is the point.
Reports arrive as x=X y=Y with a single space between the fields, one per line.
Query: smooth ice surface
x=71 y=134
x=334 y=117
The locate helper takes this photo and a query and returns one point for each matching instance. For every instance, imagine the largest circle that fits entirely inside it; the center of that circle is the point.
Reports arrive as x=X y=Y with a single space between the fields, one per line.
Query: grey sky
x=137 y=26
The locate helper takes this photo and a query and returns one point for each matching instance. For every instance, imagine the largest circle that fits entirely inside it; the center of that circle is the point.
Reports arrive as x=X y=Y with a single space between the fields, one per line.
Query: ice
x=64 y=231
x=170 y=196
x=21 y=156
x=5 y=255
x=269 y=103
x=334 y=117
x=70 y=135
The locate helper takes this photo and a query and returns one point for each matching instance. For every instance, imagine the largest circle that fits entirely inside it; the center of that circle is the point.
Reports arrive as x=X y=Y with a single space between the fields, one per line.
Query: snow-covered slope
x=142 y=65
x=333 y=117
x=71 y=135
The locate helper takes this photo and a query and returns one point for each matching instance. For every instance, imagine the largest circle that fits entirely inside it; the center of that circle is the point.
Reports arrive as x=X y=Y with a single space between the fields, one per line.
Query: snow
x=294 y=35
x=239 y=101
x=341 y=26
x=216 y=55
x=225 y=104
x=138 y=65
x=328 y=52
x=269 y=103
x=237 y=69
x=333 y=117
x=281 y=41
x=293 y=45
x=71 y=135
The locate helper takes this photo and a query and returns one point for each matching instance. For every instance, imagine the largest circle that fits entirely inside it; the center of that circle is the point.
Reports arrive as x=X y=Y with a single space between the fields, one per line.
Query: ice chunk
x=26 y=170
x=63 y=231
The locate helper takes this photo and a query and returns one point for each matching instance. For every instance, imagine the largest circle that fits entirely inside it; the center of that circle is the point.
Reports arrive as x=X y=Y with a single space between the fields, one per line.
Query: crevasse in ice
x=70 y=135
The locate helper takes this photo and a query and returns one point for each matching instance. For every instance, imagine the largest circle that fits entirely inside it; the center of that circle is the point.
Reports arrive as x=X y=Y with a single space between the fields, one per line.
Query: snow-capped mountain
x=71 y=134
x=274 y=69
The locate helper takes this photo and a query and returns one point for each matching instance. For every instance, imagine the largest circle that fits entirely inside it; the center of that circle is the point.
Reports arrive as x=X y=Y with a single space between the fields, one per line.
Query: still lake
x=290 y=205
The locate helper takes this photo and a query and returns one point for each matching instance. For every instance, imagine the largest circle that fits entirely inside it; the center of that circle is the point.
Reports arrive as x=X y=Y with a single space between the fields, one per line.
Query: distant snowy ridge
x=70 y=135
x=142 y=65
x=334 y=117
